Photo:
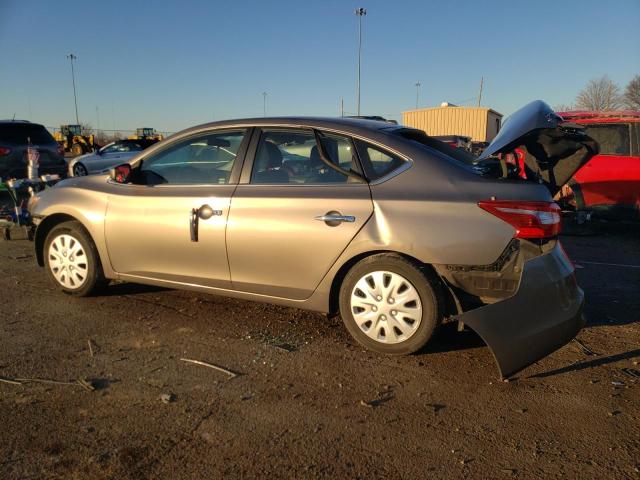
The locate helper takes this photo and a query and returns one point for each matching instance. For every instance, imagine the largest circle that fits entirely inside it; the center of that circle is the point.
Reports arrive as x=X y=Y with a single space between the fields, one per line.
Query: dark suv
x=14 y=139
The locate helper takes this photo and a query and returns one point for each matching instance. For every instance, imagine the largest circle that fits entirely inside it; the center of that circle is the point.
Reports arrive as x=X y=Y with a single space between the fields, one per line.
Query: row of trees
x=604 y=94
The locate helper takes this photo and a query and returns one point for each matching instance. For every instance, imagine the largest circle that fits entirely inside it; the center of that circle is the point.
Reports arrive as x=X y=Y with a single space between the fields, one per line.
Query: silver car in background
x=107 y=157
x=394 y=230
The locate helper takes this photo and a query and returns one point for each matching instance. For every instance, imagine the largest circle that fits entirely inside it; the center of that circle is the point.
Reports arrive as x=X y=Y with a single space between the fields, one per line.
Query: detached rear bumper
x=543 y=315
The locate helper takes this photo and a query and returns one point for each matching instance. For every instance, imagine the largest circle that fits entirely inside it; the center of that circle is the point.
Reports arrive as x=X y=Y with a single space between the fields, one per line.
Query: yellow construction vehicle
x=71 y=138
x=146 y=133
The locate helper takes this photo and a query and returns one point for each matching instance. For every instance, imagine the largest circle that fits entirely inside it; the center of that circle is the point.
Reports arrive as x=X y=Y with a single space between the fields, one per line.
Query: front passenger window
x=200 y=160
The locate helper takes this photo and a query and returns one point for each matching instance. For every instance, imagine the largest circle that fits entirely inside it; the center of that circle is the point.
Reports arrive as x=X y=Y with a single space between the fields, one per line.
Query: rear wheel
x=389 y=304
x=72 y=260
x=79 y=170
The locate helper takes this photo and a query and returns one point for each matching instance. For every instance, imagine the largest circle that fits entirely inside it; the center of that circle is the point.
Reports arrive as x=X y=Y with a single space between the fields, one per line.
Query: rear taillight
x=530 y=219
x=4 y=151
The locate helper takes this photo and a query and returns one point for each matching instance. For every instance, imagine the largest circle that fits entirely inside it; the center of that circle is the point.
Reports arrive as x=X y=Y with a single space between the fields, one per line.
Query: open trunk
x=552 y=149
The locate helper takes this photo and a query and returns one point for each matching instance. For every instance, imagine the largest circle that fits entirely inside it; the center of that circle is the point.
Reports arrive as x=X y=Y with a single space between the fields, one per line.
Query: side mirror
x=121 y=173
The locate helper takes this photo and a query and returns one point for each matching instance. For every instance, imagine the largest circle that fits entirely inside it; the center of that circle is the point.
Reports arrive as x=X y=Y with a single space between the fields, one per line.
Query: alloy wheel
x=79 y=170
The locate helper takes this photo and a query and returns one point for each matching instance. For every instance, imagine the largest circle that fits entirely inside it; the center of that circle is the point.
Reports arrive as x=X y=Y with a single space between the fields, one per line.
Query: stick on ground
x=210 y=365
x=8 y=380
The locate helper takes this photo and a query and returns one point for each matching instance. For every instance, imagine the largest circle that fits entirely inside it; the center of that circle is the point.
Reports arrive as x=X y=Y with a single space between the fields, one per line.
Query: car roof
x=18 y=121
x=345 y=124
x=607 y=116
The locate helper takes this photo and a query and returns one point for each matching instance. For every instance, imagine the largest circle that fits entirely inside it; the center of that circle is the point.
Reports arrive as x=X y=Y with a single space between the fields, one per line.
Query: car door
x=610 y=181
x=291 y=215
x=105 y=158
x=170 y=224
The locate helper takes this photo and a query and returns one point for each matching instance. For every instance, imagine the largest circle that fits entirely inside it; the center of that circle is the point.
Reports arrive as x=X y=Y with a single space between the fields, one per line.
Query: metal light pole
x=71 y=58
x=418 y=85
x=264 y=104
x=360 y=12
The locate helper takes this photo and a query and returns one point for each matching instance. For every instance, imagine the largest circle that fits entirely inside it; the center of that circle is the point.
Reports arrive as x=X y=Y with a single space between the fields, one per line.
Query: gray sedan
x=393 y=230
x=107 y=157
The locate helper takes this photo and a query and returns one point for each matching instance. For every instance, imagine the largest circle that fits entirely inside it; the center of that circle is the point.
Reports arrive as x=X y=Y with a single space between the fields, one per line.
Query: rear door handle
x=333 y=219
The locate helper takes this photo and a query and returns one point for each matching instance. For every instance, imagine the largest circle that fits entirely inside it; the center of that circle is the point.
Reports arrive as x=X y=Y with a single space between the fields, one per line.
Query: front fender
x=65 y=202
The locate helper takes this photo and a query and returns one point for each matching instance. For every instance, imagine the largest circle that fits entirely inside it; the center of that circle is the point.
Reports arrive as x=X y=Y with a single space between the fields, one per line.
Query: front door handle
x=205 y=212
x=333 y=219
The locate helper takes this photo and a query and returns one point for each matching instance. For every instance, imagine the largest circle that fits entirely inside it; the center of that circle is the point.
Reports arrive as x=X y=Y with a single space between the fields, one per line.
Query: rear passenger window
x=292 y=157
x=377 y=162
x=613 y=138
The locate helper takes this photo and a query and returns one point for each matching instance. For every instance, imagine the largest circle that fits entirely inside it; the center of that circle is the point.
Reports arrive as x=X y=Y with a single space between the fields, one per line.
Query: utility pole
x=418 y=84
x=480 y=94
x=71 y=58
x=360 y=12
x=264 y=104
x=98 y=118
x=342 y=107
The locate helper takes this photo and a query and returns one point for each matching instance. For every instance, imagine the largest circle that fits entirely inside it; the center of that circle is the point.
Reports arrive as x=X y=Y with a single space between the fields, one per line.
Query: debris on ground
x=167 y=398
x=586 y=350
x=211 y=365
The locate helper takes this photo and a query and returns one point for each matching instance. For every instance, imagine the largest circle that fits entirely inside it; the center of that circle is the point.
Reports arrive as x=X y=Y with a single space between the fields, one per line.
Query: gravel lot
x=309 y=402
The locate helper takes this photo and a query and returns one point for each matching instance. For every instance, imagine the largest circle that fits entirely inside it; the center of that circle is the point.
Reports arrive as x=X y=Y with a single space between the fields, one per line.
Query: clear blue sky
x=171 y=65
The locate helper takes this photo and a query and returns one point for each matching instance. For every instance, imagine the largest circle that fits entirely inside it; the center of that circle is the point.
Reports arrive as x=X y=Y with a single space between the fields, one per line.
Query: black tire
x=94 y=279
x=77 y=149
x=79 y=170
x=423 y=281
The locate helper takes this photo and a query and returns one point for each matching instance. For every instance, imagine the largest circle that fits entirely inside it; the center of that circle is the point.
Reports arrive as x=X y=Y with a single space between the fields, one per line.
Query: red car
x=609 y=183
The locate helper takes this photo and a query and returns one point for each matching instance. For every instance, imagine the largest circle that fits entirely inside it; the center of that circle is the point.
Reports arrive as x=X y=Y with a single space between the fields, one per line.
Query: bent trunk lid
x=554 y=149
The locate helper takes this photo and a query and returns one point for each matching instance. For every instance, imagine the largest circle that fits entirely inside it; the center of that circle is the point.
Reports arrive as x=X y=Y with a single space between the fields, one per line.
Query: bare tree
x=632 y=94
x=86 y=129
x=563 y=107
x=599 y=94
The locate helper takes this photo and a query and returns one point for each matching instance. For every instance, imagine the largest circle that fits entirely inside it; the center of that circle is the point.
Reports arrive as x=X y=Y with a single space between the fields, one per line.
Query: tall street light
x=71 y=58
x=264 y=104
x=418 y=85
x=360 y=12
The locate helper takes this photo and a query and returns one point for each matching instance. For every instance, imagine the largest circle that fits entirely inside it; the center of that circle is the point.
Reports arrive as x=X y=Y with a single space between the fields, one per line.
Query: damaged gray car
x=395 y=231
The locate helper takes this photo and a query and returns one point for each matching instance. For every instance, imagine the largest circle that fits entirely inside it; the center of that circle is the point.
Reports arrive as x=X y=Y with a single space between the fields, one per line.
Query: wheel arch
x=47 y=224
x=444 y=293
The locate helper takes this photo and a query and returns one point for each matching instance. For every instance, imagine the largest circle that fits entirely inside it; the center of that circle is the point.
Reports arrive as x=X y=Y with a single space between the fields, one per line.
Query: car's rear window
x=612 y=138
x=20 y=133
x=422 y=138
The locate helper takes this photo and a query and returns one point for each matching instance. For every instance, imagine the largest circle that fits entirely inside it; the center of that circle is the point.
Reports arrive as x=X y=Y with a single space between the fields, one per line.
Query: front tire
x=79 y=170
x=390 y=304
x=72 y=261
x=77 y=149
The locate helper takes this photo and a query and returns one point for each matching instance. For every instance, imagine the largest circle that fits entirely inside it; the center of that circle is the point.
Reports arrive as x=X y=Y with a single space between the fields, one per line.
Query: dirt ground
x=308 y=402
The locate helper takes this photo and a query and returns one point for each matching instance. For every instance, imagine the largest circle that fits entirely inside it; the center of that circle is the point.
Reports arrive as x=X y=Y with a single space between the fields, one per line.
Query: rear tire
x=390 y=304
x=72 y=261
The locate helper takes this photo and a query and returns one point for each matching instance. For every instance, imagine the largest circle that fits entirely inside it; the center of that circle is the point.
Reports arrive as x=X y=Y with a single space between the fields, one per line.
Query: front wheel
x=79 y=170
x=389 y=304
x=72 y=260
x=77 y=149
